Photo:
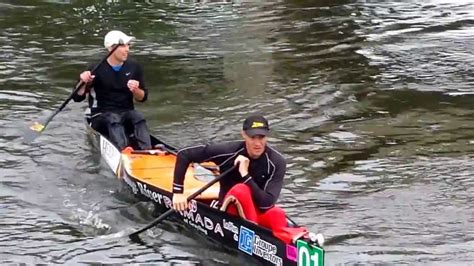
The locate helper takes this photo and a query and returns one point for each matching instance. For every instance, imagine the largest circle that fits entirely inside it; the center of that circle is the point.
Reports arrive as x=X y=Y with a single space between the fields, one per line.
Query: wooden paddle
x=37 y=128
x=135 y=235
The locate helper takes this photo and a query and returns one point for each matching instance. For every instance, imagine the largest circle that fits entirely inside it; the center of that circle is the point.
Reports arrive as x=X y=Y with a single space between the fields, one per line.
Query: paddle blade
x=136 y=238
x=36 y=128
x=33 y=131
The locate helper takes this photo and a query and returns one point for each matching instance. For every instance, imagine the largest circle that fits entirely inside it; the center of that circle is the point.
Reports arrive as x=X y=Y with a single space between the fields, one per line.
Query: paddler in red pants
x=252 y=189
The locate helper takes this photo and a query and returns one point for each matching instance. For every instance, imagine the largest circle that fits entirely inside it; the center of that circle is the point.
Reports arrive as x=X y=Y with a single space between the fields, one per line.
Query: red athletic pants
x=273 y=218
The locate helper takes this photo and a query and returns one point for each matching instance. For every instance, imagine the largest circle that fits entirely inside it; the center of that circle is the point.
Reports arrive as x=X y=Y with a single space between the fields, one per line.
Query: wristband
x=177 y=189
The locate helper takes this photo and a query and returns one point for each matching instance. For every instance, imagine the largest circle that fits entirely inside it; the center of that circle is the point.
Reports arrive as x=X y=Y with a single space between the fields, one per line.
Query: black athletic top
x=109 y=91
x=265 y=173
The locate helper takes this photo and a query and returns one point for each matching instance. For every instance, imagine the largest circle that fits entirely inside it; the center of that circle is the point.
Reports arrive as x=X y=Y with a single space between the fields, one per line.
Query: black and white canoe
x=149 y=175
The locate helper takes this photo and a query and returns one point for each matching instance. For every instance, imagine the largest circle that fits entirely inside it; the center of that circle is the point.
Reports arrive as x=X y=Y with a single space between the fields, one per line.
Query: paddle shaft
x=163 y=216
x=78 y=87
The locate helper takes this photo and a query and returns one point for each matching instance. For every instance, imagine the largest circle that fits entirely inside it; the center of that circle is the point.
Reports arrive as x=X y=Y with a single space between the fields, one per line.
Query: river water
x=370 y=102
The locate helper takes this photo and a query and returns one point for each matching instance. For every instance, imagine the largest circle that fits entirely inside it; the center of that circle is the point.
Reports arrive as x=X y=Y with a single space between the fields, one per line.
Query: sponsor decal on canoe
x=246 y=240
x=109 y=153
x=202 y=223
x=154 y=196
x=266 y=250
x=251 y=243
x=191 y=216
x=309 y=255
x=192 y=206
x=291 y=252
x=214 y=204
x=230 y=226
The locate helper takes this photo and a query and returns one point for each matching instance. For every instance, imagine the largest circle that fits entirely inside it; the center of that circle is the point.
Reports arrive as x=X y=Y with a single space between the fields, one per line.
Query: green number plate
x=309 y=255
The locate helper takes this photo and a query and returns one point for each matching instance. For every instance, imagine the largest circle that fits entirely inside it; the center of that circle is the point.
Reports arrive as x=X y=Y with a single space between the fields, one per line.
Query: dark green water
x=370 y=102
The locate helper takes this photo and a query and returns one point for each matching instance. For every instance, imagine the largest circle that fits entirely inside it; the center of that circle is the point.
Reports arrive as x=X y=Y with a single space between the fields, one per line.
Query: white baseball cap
x=116 y=37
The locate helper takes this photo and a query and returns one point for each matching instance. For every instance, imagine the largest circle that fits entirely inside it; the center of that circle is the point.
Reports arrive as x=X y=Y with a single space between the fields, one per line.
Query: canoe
x=149 y=175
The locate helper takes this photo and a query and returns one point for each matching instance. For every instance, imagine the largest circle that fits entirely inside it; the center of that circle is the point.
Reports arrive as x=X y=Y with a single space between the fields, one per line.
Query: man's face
x=255 y=145
x=121 y=54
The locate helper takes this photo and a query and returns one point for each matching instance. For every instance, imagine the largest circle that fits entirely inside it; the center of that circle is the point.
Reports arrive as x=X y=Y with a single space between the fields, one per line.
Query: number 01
x=309 y=256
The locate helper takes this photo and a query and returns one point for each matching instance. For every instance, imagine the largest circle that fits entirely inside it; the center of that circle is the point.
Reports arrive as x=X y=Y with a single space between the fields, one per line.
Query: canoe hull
x=237 y=234
x=202 y=216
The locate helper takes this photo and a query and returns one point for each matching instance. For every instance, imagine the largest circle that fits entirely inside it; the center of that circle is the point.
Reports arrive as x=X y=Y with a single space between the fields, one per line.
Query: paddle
x=134 y=236
x=37 y=128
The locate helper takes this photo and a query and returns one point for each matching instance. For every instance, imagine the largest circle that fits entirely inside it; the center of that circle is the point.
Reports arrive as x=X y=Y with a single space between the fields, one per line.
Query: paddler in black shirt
x=111 y=92
x=252 y=189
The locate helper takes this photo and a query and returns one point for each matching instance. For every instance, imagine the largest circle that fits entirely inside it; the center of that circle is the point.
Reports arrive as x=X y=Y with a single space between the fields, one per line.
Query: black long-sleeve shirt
x=266 y=172
x=109 y=90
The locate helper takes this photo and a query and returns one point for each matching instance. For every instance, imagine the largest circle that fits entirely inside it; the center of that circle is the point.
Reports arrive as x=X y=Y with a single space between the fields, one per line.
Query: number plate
x=309 y=255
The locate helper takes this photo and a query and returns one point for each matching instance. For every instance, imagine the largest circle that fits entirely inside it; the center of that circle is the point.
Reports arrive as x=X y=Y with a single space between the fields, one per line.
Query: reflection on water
x=369 y=102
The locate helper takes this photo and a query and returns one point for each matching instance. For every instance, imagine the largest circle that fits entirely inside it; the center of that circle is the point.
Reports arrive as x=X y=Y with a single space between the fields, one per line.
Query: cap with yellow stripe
x=255 y=125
